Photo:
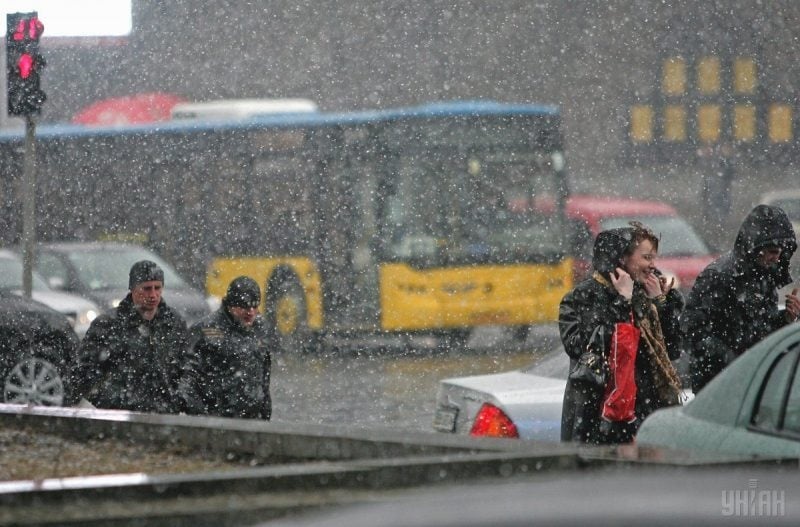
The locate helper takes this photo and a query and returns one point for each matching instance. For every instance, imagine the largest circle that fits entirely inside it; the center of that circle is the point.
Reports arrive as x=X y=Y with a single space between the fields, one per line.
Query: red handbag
x=620 y=396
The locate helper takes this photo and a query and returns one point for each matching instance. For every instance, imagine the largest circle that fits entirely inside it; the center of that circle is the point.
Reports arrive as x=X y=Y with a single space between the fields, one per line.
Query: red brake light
x=492 y=422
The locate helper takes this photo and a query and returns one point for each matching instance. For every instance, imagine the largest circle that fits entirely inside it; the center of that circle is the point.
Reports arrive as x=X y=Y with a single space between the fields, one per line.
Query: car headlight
x=86 y=316
x=213 y=302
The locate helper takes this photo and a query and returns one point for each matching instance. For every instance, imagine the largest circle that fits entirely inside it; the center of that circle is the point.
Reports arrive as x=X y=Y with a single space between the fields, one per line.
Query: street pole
x=29 y=206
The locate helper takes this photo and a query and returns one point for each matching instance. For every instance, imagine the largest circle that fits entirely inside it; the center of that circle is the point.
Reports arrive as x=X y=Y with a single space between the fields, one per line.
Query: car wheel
x=287 y=316
x=34 y=380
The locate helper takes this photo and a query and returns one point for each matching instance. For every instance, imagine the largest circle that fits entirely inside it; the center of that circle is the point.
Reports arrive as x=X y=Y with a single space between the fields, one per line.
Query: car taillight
x=492 y=422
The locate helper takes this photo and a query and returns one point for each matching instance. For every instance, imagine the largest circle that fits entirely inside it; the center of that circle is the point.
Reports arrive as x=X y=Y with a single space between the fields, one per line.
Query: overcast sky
x=62 y=18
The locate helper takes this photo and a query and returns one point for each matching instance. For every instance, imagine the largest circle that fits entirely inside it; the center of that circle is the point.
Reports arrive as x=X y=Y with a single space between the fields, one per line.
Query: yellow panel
x=223 y=270
x=709 y=121
x=673 y=79
x=744 y=122
x=708 y=75
x=413 y=299
x=675 y=124
x=779 y=123
x=641 y=124
x=744 y=75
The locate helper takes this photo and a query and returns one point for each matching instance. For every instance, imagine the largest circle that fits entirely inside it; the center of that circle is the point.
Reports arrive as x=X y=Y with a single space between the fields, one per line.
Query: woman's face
x=641 y=262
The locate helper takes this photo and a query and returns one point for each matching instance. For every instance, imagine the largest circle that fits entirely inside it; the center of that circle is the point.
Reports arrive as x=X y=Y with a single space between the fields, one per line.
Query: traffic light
x=24 y=63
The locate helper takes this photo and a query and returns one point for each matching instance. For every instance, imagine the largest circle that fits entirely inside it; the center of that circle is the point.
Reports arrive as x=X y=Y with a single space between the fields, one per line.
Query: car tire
x=287 y=316
x=34 y=380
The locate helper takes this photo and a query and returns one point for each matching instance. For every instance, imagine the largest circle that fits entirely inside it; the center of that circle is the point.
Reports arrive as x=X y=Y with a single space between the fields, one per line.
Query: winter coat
x=129 y=363
x=734 y=302
x=587 y=316
x=235 y=366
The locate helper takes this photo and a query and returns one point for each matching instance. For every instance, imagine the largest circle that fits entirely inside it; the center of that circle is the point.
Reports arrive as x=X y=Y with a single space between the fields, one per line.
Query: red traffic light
x=25 y=65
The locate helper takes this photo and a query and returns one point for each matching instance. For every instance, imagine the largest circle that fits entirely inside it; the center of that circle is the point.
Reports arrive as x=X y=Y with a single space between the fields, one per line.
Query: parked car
x=752 y=407
x=99 y=271
x=37 y=344
x=523 y=403
x=79 y=310
x=682 y=252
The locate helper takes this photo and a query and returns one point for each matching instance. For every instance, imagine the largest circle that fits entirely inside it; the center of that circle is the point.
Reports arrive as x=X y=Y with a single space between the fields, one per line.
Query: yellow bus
x=433 y=219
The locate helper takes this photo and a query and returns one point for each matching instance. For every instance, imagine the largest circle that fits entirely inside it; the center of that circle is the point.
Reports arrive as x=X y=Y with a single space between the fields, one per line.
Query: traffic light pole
x=29 y=206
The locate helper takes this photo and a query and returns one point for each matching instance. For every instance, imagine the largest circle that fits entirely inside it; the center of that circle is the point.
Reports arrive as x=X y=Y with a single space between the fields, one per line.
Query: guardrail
x=264 y=469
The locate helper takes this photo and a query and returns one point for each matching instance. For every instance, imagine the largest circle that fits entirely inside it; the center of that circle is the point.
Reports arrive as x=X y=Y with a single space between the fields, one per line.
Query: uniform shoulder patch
x=212 y=333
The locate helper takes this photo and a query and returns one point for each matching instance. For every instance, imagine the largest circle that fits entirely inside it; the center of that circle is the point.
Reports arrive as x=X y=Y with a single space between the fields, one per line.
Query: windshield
x=677 y=238
x=108 y=268
x=448 y=205
x=11 y=276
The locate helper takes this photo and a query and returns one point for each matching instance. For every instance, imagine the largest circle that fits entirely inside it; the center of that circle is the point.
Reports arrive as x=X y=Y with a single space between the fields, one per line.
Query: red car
x=682 y=253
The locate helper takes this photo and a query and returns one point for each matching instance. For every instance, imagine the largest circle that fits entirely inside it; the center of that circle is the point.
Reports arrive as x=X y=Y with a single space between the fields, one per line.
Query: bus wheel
x=454 y=339
x=287 y=317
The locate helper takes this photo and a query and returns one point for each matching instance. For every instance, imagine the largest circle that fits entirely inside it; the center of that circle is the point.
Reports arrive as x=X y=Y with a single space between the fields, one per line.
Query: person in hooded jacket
x=734 y=301
x=235 y=362
x=625 y=286
x=136 y=357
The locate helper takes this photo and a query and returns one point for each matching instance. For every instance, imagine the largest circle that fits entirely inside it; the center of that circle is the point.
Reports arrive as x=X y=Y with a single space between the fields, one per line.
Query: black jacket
x=586 y=319
x=734 y=302
x=128 y=363
x=235 y=365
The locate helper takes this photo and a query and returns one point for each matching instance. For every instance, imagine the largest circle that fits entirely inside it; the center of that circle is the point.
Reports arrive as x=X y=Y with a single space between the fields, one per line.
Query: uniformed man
x=231 y=345
x=136 y=357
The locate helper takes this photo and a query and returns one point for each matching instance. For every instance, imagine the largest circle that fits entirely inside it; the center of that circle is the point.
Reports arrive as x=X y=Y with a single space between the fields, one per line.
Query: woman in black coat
x=625 y=286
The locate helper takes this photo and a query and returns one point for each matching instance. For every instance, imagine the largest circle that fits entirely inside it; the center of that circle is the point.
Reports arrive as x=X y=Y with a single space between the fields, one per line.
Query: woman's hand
x=652 y=285
x=623 y=283
x=666 y=287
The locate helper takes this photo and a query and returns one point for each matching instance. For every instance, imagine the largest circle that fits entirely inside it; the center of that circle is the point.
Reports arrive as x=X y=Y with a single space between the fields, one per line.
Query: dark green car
x=752 y=407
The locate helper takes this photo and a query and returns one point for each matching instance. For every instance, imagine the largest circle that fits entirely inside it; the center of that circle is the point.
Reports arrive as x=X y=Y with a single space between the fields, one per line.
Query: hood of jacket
x=765 y=225
x=609 y=247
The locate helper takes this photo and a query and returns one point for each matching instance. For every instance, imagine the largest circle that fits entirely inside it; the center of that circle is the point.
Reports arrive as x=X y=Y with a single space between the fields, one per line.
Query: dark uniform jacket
x=734 y=302
x=586 y=319
x=129 y=363
x=235 y=364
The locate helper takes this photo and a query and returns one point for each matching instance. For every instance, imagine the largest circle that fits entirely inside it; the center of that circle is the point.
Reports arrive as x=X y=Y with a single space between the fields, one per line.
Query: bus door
x=348 y=231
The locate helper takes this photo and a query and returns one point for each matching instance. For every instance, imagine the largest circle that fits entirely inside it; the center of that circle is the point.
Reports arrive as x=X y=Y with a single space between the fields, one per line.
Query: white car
x=523 y=404
x=788 y=200
x=79 y=310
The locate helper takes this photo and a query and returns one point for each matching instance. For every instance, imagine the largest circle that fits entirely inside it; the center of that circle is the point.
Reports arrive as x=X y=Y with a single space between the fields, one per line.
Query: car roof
x=73 y=246
x=585 y=206
x=775 y=195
